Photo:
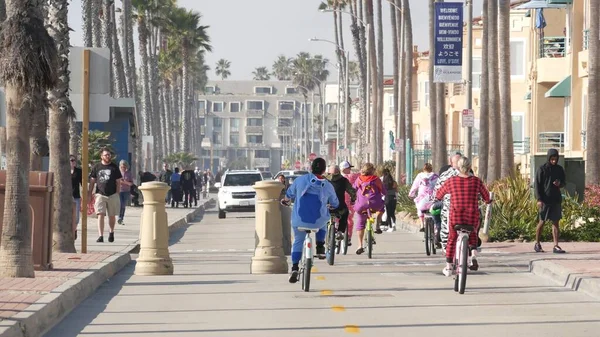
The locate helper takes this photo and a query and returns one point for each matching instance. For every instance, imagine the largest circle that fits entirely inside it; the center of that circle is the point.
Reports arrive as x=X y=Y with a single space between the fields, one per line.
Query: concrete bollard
x=286 y=228
x=154 y=232
x=269 y=257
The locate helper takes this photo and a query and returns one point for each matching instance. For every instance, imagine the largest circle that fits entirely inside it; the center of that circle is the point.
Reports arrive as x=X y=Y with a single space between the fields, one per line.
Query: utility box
x=41 y=185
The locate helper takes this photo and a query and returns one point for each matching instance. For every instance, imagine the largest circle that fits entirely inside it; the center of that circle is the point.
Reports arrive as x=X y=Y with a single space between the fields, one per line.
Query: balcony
x=262 y=162
x=552 y=65
x=551 y=140
x=285 y=113
x=255 y=112
x=254 y=130
x=458 y=89
x=521 y=146
x=234 y=129
x=416 y=106
x=553 y=46
x=284 y=130
x=583 y=56
x=255 y=145
x=586 y=39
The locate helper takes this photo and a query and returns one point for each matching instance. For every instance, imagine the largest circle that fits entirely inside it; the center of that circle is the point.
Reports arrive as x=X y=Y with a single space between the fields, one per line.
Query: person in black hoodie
x=549 y=179
x=341 y=185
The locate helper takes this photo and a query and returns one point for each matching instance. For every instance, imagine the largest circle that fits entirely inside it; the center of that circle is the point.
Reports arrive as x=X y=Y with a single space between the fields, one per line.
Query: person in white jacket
x=422 y=190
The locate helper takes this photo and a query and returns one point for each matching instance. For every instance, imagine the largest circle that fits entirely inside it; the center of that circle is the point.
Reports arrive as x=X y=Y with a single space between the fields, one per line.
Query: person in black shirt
x=341 y=185
x=76 y=181
x=107 y=177
x=188 y=183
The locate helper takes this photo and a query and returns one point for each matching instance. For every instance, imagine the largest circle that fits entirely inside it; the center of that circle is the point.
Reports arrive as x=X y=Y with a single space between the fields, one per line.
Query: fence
x=422 y=153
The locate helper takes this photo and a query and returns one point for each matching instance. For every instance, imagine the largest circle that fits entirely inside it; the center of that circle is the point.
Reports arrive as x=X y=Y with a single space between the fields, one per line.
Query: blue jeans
x=299 y=237
x=124 y=197
x=77 y=210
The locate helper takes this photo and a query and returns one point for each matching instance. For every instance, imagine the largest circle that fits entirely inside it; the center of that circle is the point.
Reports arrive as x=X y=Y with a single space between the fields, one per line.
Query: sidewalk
x=578 y=269
x=30 y=306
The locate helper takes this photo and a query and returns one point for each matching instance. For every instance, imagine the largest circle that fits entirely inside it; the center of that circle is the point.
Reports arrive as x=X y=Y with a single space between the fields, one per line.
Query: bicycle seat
x=308 y=230
x=465 y=228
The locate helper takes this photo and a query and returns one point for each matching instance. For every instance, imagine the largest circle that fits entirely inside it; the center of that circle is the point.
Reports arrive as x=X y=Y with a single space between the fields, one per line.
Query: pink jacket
x=423 y=186
x=352 y=178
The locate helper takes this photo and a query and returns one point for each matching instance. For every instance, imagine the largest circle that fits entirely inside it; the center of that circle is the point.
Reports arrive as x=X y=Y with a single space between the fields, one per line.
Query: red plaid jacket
x=465 y=192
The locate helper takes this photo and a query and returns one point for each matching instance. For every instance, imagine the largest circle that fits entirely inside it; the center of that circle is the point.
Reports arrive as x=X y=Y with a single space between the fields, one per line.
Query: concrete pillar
x=269 y=257
x=154 y=232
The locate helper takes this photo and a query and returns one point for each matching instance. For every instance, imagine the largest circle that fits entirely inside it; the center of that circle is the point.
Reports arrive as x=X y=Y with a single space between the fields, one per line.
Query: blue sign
x=447 y=58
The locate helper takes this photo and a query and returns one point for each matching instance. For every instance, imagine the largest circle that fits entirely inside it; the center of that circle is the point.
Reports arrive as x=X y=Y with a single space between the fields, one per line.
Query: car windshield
x=266 y=175
x=241 y=179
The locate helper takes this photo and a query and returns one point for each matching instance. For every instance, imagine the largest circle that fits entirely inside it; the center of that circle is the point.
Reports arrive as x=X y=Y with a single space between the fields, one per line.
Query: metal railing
x=286 y=113
x=551 y=140
x=284 y=130
x=416 y=105
x=255 y=112
x=255 y=145
x=522 y=146
x=553 y=46
x=254 y=130
x=586 y=39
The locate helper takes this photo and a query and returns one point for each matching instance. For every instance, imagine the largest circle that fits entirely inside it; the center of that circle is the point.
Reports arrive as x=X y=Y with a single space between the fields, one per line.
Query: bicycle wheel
x=344 y=243
x=464 y=256
x=431 y=227
x=427 y=234
x=306 y=275
x=332 y=244
x=370 y=244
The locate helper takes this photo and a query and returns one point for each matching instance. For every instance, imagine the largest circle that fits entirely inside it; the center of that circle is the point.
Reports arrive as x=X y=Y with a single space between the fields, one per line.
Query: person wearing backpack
x=313 y=196
x=422 y=191
x=370 y=194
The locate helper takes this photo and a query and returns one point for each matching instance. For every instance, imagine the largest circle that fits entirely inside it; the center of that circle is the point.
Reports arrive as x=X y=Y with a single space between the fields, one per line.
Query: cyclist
x=450 y=172
x=341 y=185
x=313 y=195
x=465 y=189
x=370 y=193
x=346 y=167
x=422 y=191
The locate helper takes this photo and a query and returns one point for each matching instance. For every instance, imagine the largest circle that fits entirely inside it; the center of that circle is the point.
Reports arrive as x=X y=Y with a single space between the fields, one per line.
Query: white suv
x=236 y=193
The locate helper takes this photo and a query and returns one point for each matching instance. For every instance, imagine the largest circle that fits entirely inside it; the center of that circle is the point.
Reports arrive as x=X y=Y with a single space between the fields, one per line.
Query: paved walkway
x=21 y=297
x=400 y=292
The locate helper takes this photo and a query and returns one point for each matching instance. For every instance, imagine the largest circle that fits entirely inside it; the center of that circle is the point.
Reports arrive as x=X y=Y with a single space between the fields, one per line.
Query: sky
x=252 y=33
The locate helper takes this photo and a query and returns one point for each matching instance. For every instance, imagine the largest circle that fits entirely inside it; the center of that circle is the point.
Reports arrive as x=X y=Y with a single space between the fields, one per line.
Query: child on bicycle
x=370 y=194
x=464 y=209
x=422 y=191
x=313 y=196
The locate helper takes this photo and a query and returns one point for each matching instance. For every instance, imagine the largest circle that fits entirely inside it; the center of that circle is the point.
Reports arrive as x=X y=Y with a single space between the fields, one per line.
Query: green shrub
x=405 y=203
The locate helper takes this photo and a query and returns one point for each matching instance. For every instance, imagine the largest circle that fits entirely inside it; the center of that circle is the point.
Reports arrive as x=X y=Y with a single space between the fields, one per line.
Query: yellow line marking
x=320 y=278
x=352 y=329
x=314 y=270
x=326 y=292
x=338 y=308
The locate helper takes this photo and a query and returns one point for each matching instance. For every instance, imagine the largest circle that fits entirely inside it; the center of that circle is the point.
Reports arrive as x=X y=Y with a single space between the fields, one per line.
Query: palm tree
x=86 y=10
x=39 y=129
x=494 y=93
x=354 y=71
x=185 y=28
x=60 y=115
x=25 y=69
x=261 y=74
x=507 y=153
x=484 y=121
x=379 y=111
x=96 y=8
x=117 y=58
x=592 y=141
x=438 y=156
x=282 y=68
x=408 y=66
x=395 y=41
x=359 y=41
x=222 y=68
x=374 y=83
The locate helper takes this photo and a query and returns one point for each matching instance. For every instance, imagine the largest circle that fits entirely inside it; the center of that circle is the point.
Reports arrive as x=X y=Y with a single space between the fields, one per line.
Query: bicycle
x=332 y=243
x=308 y=252
x=429 y=233
x=370 y=233
x=461 y=256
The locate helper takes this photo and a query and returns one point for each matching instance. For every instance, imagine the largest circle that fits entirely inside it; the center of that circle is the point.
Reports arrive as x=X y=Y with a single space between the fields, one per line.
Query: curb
x=51 y=308
x=586 y=284
x=46 y=312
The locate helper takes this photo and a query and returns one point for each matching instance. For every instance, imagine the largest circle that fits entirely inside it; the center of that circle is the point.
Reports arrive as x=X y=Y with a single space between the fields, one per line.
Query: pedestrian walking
x=76 y=181
x=106 y=176
x=125 y=189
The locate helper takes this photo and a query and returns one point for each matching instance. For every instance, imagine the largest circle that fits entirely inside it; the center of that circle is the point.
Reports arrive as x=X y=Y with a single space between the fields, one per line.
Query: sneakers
x=474 y=265
x=100 y=239
x=294 y=274
x=538 y=248
x=120 y=222
x=391 y=229
x=378 y=231
x=321 y=251
x=447 y=272
x=111 y=237
x=558 y=250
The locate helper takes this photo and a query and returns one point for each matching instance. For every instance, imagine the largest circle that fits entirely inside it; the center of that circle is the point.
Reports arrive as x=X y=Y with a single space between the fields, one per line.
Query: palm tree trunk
x=374 y=84
x=145 y=78
x=169 y=116
x=86 y=9
x=74 y=137
x=163 y=122
x=508 y=158
x=379 y=114
x=107 y=40
x=592 y=174
x=484 y=122
x=431 y=87
x=62 y=218
x=185 y=128
x=358 y=42
x=408 y=72
x=96 y=23
x=39 y=128
x=125 y=20
x=117 y=60
x=131 y=74
x=395 y=39
x=176 y=113
x=494 y=92
x=2 y=10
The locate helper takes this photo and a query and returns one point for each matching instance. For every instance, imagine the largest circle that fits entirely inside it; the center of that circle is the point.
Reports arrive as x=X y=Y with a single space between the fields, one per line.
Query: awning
x=534 y=4
x=527 y=96
x=560 y=89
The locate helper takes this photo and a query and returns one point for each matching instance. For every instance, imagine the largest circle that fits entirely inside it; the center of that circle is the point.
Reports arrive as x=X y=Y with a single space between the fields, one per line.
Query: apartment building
x=332 y=119
x=251 y=124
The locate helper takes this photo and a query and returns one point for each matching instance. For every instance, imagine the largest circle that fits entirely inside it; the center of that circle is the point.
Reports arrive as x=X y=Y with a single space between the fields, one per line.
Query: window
x=291 y=91
x=242 y=179
x=567 y=119
x=263 y=90
x=286 y=105
x=518 y=129
x=217 y=106
x=202 y=121
x=391 y=104
x=210 y=89
x=201 y=105
x=476 y=71
x=262 y=154
x=284 y=122
x=234 y=107
x=584 y=113
x=217 y=122
x=255 y=105
x=234 y=125
x=217 y=138
x=425 y=90
x=254 y=139
x=517 y=58
x=254 y=122
x=234 y=140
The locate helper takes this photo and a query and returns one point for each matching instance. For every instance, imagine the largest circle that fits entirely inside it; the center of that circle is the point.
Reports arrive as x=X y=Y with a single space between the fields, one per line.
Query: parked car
x=266 y=175
x=236 y=193
x=287 y=173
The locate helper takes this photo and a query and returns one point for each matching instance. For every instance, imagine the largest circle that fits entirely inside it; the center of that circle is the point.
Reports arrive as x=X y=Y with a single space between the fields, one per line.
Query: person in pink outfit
x=345 y=167
x=422 y=190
